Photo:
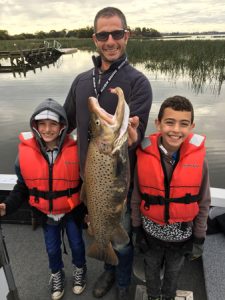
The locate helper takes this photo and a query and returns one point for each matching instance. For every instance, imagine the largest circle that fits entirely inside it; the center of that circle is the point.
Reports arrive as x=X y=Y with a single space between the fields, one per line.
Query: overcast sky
x=30 y=16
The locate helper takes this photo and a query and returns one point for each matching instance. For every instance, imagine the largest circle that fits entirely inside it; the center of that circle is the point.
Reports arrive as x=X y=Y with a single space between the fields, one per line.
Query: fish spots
x=107 y=180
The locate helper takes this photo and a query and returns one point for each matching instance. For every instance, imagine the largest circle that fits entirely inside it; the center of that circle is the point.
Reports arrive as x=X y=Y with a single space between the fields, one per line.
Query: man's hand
x=132 y=130
x=2 y=209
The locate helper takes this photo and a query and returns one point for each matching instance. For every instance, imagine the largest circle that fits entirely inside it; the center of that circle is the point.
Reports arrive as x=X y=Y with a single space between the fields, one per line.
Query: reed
x=201 y=60
x=11 y=45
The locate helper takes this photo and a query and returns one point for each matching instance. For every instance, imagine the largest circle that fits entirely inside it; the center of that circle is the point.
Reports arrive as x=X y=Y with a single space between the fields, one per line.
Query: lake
x=20 y=94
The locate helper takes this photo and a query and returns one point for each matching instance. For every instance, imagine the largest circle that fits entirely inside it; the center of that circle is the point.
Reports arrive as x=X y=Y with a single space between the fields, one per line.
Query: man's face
x=113 y=47
x=174 y=126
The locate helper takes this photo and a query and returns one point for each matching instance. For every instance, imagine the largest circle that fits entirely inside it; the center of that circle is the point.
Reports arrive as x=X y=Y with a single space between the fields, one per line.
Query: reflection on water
x=20 y=67
x=19 y=96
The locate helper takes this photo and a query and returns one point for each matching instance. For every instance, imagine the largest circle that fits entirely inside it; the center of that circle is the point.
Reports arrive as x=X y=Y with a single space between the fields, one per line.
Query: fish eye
x=97 y=122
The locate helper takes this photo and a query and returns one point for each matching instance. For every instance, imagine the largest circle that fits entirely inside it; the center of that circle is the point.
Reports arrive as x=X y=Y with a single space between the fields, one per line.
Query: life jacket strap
x=159 y=200
x=51 y=195
x=149 y=199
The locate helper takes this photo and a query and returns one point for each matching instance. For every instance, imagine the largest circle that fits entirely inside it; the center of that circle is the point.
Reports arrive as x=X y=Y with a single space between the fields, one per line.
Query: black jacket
x=137 y=91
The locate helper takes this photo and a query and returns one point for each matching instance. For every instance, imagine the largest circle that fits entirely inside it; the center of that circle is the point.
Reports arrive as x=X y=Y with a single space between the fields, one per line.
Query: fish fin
x=83 y=196
x=106 y=254
x=119 y=237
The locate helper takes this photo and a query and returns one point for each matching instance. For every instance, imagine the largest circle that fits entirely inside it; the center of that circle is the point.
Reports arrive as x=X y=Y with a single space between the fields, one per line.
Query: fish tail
x=106 y=254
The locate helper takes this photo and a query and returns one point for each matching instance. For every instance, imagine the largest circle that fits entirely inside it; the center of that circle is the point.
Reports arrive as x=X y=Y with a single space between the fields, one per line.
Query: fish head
x=106 y=130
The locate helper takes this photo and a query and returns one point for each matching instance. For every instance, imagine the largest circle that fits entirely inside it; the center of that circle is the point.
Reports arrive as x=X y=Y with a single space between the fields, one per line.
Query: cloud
x=19 y=16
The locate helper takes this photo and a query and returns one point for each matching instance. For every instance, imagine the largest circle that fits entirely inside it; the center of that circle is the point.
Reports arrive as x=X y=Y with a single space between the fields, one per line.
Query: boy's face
x=175 y=126
x=49 y=131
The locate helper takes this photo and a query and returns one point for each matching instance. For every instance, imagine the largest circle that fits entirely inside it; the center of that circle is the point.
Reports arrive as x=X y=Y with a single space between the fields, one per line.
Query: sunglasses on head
x=104 y=35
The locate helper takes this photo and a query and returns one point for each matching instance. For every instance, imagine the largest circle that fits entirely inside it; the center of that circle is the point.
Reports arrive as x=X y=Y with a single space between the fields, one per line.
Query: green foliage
x=79 y=33
x=80 y=43
x=12 y=45
x=4 y=35
x=145 y=33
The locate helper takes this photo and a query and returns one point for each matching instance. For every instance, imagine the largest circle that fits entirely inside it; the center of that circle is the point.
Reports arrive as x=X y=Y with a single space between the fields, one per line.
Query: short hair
x=110 y=12
x=177 y=103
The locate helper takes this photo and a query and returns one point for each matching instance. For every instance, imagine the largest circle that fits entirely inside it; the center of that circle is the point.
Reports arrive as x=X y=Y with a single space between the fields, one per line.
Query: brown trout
x=106 y=178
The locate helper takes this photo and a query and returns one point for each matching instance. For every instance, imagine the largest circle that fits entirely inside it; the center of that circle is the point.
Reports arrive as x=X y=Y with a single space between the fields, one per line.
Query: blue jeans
x=53 y=241
x=123 y=270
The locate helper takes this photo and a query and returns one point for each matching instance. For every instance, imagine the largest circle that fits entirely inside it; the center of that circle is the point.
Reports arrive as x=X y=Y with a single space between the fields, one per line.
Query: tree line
x=86 y=32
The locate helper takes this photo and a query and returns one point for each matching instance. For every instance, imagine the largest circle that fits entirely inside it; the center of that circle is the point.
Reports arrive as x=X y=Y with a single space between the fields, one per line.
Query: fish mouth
x=118 y=121
x=105 y=117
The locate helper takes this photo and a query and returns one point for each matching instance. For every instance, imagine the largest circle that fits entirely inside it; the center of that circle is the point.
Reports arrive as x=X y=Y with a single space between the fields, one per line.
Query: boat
x=203 y=278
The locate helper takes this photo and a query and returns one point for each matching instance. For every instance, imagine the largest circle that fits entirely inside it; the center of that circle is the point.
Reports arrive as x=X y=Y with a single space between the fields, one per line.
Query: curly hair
x=177 y=103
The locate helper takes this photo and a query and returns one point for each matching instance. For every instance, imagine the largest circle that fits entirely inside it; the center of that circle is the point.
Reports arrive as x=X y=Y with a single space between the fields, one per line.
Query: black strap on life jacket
x=159 y=200
x=51 y=195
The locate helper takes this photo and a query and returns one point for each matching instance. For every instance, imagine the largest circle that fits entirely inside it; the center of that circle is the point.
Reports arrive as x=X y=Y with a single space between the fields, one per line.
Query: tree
x=154 y=33
x=137 y=31
x=41 y=35
x=85 y=32
x=4 y=35
x=150 y=32
x=72 y=33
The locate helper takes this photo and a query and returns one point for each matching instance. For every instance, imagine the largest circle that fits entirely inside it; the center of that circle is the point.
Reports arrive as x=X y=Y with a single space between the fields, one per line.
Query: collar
x=171 y=158
x=97 y=61
x=56 y=148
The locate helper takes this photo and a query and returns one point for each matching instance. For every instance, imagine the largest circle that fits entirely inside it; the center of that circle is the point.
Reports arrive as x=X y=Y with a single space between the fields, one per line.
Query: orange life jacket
x=177 y=202
x=52 y=188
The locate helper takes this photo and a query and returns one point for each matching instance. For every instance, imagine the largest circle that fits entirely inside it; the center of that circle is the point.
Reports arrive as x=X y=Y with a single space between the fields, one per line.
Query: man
x=111 y=69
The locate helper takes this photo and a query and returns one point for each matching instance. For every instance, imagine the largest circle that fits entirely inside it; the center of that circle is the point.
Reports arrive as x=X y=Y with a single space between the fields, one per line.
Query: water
x=194 y=37
x=20 y=95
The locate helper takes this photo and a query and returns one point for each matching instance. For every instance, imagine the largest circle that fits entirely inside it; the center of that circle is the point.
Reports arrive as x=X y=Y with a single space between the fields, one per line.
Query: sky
x=31 y=16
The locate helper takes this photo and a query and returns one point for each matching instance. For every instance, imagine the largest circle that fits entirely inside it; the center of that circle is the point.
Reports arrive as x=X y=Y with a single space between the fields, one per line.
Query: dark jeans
x=171 y=254
x=53 y=241
x=123 y=270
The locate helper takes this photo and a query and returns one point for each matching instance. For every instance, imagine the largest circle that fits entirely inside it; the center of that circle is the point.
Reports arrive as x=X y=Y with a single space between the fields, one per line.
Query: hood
x=54 y=106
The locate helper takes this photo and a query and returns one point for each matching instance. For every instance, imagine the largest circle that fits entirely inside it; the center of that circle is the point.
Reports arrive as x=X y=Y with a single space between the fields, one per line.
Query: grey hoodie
x=52 y=105
x=20 y=192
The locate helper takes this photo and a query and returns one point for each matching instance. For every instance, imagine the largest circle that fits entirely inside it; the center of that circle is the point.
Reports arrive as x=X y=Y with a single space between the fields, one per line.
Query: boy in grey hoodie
x=47 y=168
